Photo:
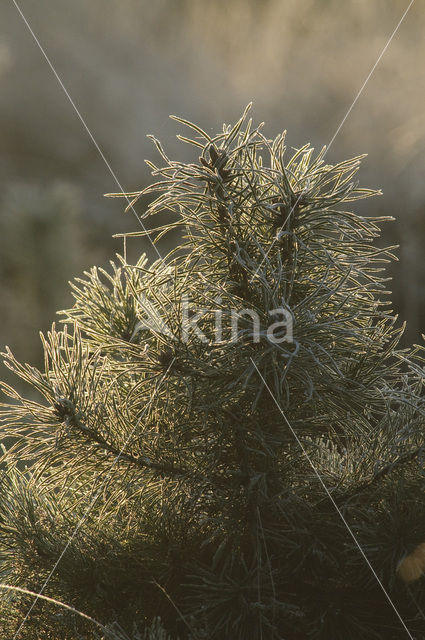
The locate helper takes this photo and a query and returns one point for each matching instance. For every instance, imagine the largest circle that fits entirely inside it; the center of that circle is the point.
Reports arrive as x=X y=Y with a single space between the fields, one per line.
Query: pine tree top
x=189 y=406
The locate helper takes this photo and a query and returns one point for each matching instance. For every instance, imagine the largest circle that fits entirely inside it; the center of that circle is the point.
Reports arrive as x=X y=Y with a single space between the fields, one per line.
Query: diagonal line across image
x=328 y=493
x=338 y=129
x=106 y=162
x=88 y=131
x=92 y=502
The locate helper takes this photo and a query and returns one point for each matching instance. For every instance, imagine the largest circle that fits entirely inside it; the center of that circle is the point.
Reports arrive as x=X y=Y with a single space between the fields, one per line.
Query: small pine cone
x=412 y=567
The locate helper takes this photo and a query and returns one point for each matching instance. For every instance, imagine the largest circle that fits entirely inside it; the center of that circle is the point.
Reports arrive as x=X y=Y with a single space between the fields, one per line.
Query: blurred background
x=128 y=64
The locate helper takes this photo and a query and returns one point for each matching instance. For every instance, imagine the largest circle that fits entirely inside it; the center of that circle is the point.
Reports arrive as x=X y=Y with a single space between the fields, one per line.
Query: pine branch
x=71 y=419
x=402 y=460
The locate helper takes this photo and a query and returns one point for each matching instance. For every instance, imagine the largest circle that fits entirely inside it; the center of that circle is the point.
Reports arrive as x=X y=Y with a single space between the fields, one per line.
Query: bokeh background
x=128 y=64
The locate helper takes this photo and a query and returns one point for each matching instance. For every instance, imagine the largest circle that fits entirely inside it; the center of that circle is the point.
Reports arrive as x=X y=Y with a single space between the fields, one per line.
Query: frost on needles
x=184 y=466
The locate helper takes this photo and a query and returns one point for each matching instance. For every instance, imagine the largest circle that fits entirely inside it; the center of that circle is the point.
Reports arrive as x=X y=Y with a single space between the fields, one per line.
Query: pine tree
x=228 y=442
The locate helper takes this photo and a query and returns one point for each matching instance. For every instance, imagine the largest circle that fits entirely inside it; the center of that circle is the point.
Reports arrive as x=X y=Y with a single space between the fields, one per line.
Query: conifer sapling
x=168 y=480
